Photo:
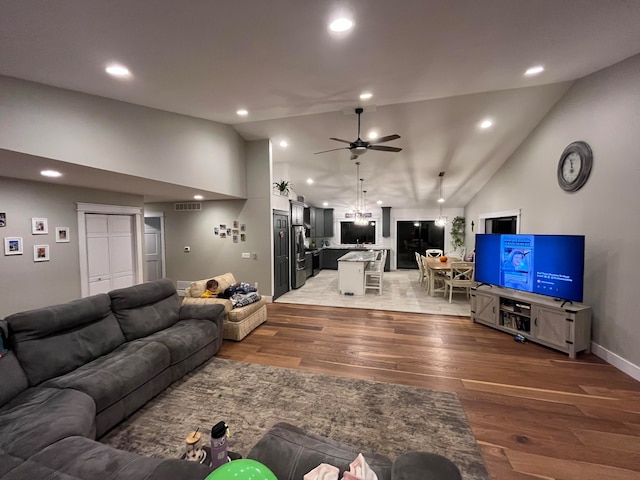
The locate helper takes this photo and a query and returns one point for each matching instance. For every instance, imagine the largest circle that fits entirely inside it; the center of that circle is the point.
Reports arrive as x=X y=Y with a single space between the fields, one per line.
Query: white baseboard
x=616 y=360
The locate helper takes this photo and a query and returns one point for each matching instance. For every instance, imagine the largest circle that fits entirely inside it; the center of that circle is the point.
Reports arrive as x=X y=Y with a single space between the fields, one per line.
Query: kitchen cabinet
x=297 y=213
x=540 y=319
x=328 y=223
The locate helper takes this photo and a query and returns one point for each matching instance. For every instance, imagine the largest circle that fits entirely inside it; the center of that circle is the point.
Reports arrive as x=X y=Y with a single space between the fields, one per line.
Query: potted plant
x=457 y=233
x=283 y=187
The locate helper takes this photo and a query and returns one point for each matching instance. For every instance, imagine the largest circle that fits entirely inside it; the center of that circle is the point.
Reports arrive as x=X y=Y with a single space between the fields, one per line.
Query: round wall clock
x=574 y=166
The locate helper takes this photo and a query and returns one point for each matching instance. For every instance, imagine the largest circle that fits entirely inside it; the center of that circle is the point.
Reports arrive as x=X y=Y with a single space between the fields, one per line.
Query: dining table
x=437 y=267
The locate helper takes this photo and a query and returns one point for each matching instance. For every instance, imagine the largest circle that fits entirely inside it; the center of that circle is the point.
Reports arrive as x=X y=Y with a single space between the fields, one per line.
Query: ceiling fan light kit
x=360 y=147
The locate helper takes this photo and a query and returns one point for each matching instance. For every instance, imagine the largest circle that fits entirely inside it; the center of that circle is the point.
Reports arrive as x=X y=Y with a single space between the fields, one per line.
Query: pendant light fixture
x=441 y=221
x=359 y=210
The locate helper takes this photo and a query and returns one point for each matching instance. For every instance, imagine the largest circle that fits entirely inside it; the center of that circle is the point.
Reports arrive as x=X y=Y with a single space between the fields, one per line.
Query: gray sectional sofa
x=74 y=371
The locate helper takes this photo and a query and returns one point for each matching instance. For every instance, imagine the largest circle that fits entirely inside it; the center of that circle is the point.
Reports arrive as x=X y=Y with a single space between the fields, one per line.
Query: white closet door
x=110 y=252
x=121 y=251
x=152 y=249
x=98 y=258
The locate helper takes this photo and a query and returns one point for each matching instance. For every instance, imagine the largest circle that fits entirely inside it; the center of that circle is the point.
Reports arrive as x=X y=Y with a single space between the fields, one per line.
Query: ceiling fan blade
x=332 y=150
x=383 y=148
x=340 y=140
x=388 y=138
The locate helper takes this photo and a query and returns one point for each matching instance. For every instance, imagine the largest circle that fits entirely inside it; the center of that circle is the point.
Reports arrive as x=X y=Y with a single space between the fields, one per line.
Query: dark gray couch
x=75 y=370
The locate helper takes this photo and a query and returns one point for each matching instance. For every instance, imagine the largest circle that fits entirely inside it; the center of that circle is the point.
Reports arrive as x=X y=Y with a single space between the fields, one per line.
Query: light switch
x=246 y=255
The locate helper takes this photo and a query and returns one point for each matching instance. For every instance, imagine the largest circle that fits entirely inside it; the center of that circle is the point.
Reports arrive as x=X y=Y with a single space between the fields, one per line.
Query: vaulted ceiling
x=435 y=69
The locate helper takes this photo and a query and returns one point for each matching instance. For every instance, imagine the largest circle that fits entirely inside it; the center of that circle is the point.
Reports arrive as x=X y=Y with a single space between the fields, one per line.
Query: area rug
x=375 y=417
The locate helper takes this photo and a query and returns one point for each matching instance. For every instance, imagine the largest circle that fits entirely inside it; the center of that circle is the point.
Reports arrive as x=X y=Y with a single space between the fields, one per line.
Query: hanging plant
x=282 y=186
x=457 y=232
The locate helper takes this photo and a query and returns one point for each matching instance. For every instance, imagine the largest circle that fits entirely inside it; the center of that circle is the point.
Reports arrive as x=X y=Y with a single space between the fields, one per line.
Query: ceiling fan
x=360 y=147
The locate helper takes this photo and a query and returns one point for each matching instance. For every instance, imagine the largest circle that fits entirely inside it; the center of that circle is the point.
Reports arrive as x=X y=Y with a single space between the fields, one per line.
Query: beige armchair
x=238 y=322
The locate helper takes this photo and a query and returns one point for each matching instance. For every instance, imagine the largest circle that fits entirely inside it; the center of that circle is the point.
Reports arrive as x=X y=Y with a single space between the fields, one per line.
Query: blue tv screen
x=551 y=265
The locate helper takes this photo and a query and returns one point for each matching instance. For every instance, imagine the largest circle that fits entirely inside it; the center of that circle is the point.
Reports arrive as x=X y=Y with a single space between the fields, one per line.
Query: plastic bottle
x=219 y=444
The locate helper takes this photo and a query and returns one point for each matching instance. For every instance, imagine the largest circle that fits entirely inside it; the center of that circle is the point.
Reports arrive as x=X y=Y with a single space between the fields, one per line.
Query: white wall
x=25 y=284
x=602 y=109
x=211 y=255
x=111 y=135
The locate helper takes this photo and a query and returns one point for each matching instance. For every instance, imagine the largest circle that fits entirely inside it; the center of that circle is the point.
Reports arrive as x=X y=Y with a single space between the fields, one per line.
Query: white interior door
x=152 y=248
x=110 y=252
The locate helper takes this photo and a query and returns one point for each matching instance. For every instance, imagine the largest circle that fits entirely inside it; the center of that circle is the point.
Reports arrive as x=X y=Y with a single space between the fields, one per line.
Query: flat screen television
x=551 y=265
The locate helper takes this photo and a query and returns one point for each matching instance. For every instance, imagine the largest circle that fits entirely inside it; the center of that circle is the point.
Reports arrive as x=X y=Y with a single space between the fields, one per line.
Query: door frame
x=138 y=226
x=162 y=239
x=506 y=213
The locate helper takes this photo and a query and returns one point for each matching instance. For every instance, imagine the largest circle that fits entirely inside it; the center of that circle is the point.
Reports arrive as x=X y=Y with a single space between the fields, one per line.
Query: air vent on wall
x=187 y=207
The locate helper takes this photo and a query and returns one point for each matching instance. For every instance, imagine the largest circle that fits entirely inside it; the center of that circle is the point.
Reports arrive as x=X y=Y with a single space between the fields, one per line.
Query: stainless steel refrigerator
x=298 y=262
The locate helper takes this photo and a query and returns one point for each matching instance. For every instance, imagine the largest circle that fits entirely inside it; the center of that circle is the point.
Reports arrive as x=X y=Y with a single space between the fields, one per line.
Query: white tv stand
x=538 y=318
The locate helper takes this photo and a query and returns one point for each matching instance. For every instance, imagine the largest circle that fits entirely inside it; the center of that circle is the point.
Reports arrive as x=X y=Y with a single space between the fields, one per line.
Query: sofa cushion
x=77 y=458
x=8 y=462
x=290 y=452
x=146 y=308
x=226 y=303
x=67 y=336
x=110 y=378
x=198 y=287
x=13 y=380
x=186 y=337
x=40 y=416
x=239 y=314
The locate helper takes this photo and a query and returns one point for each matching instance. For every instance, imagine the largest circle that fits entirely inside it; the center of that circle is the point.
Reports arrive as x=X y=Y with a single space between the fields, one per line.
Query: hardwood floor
x=535 y=412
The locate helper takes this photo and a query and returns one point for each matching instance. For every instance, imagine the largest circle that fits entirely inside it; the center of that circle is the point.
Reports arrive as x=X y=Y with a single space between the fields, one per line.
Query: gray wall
x=120 y=137
x=25 y=284
x=603 y=110
x=211 y=255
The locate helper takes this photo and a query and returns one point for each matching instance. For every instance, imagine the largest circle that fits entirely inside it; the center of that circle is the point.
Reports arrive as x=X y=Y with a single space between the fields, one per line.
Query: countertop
x=364 y=256
x=354 y=247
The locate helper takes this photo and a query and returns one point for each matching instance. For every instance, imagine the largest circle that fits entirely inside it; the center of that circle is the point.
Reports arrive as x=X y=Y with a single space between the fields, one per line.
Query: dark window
x=500 y=225
x=416 y=237
x=350 y=233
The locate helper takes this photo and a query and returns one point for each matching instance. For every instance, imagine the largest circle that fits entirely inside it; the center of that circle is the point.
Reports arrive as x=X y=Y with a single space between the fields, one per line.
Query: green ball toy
x=243 y=469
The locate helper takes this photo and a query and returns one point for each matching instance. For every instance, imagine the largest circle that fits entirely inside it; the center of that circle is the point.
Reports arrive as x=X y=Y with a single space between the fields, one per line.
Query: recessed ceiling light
x=373 y=134
x=366 y=95
x=116 y=70
x=310 y=181
x=284 y=144
x=486 y=123
x=379 y=202
x=51 y=173
x=416 y=224
x=325 y=204
x=242 y=112
x=198 y=197
x=534 y=71
x=441 y=200
x=341 y=25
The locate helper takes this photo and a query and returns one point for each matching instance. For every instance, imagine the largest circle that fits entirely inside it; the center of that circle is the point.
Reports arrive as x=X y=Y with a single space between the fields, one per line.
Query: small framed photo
x=243 y=227
x=3 y=219
x=216 y=231
x=235 y=224
x=41 y=253
x=13 y=245
x=223 y=234
x=39 y=226
x=62 y=235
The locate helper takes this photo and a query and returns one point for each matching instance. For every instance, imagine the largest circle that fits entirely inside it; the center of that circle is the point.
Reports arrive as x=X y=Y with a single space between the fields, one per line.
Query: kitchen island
x=351 y=269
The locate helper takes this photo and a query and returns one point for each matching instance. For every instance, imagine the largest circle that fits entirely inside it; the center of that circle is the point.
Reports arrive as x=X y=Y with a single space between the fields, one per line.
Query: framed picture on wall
x=3 y=219
x=41 y=253
x=39 y=226
x=62 y=234
x=13 y=245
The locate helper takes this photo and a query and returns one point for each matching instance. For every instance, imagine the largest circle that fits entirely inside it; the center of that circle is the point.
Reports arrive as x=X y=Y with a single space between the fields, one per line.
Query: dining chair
x=422 y=272
x=426 y=272
x=434 y=252
x=461 y=277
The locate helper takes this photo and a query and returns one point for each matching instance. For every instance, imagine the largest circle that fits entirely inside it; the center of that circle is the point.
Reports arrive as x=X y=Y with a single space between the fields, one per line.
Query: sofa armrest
x=213 y=312
x=424 y=466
